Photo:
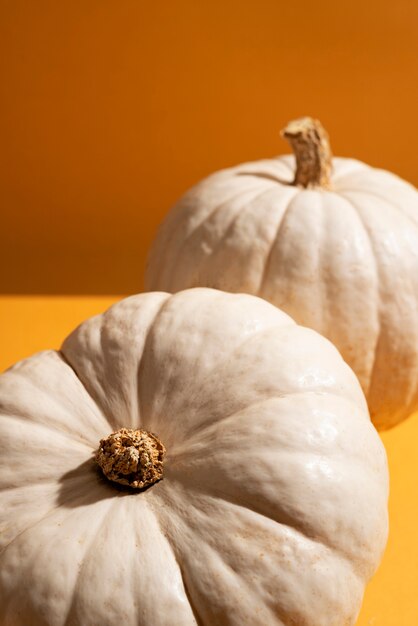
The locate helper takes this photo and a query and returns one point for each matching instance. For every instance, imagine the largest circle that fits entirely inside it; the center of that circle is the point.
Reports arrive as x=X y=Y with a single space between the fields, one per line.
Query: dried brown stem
x=131 y=457
x=310 y=143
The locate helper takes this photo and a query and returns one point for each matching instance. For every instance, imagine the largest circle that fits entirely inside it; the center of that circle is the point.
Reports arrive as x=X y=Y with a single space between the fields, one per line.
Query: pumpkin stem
x=131 y=457
x=310 y=143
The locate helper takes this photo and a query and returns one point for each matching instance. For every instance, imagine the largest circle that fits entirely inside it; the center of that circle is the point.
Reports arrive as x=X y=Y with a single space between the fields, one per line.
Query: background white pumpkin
x=337 y=250
x=273 y=505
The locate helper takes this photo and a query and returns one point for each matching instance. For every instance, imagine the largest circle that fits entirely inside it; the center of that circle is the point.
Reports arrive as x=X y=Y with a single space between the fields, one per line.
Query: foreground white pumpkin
x=337 y=251
x=272 y=509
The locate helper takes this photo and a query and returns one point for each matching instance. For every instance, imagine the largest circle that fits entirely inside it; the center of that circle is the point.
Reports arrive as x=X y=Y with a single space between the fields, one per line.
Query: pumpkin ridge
x=96 y=404
x=29 y=528
x=334 y=554
x=324 y=258
x=69 y=620
x=216 y=295
x=231 y=225
x=65 y=434
x=283 y=159
x=374 y=374
x=289 y=522
x=201 y=428
x=196 y=614
x=378 y=196
x=267 y=261
x=366 y=231
x=215 y=370
x=241 y=201
x=189 y=482
x=145 y=349
x=20 y=374
x=197 y=429
x=85 y=377
x=139 y=368
x=218 y=206
x=215 y=553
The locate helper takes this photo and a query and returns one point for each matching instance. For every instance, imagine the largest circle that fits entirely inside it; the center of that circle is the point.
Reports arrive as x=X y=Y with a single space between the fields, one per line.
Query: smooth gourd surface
x=250 y=407
x=29 y=324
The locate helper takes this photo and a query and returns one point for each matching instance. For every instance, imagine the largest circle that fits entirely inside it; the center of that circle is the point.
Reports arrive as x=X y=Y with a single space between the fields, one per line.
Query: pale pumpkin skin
x=343 y=261
x=273 y=505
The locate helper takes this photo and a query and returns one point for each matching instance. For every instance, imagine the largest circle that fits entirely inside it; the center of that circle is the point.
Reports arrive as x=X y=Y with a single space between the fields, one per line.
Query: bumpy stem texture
x=310 y=143
x=131 y=457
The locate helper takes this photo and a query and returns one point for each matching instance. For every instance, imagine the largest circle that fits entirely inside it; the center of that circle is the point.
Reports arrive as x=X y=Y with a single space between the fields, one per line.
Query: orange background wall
x=110 y=109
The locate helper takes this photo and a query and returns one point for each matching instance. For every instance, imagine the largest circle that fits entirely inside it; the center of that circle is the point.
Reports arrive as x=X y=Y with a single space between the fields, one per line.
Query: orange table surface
x=32 y=323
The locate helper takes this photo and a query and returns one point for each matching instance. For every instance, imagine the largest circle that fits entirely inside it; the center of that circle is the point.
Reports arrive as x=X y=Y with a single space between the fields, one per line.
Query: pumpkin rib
x=255 y=168
x=229 y=229
x=378 y=196
x=180 y=537
x=196 y=613
x=289 y=161
x=212 y=493
x=183 y=458
x=260 y=403
x=175 y=548
x=291 y=327
x=322 y=286
x=288 y=523
x=18 y=371
x=354 y=166
x=47 y=481
x=69 y=621
x=30 y=502
x=108 y=369
x=99 y=408
x=366 y=378
x=374 y=374
x=378 y=278
x=28 y=561
x=280 y=328
x=172 y=268
x=274 y=242
x=32 y=526
x=65 y=434
x=145 y=348
x=379 y=338
x=201 y=428
x=263 y=176
x=241 y=204
x=157 y=313
x=219 y=295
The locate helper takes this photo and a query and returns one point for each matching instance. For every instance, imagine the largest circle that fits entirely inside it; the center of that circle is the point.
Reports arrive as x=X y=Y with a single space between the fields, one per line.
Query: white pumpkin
x=272 y=509
x=337 y=251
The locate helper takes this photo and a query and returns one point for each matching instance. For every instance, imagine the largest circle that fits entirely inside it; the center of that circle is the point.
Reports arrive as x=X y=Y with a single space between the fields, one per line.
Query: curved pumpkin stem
x=310 y=143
